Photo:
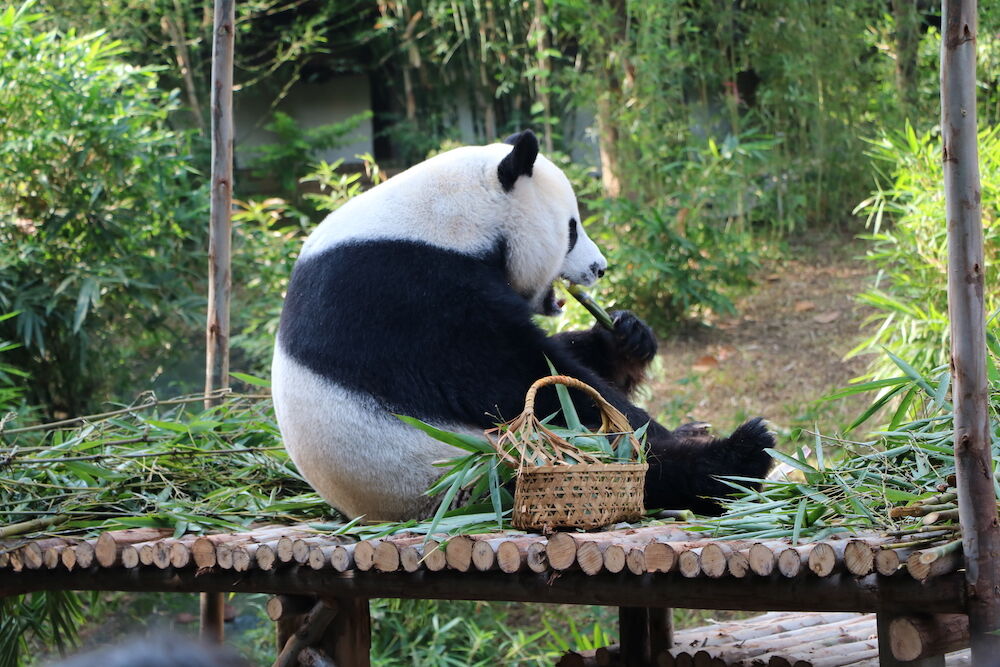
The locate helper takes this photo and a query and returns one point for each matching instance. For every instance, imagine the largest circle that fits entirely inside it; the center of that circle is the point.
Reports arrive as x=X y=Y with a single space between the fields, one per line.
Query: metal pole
x=219 y=248
x=977 y=503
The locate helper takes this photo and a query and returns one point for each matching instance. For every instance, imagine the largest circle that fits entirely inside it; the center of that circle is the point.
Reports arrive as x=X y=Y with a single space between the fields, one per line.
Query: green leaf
x=788 y=460
x=461 y=440
x=800 y=515
x=568 y=409
x=251 y=380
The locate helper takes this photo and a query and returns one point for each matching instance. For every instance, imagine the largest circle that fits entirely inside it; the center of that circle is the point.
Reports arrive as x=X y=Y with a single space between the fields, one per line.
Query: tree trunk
x=907 y=19
x=219 y=247
x=976 y=498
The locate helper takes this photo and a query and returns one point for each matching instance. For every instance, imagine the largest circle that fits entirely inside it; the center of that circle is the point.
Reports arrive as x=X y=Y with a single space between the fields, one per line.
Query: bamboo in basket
x=555 y=493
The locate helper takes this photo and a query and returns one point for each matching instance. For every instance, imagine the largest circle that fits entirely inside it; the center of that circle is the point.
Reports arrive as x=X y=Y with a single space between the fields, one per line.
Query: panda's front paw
x=633 y=337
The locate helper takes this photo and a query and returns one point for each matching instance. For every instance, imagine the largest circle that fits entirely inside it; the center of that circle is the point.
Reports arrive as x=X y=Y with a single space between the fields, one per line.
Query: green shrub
x=267 y=237
x=96 y=206
x=909 y=248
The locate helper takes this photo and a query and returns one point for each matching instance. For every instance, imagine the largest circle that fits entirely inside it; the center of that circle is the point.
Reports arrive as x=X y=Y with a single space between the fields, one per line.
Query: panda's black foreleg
x=620 y=357
x=683 y=464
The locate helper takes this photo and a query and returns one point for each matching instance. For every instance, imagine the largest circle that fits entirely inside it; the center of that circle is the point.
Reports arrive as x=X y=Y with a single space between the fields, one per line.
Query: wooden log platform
x=643 y=571
x=668 y=567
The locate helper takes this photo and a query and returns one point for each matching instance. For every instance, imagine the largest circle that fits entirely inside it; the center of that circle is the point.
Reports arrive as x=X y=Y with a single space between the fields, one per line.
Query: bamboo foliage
x=494 y=52
x=174 y=465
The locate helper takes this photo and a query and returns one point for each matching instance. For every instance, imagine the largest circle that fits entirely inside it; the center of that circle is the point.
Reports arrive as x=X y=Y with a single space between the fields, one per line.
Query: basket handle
x=612 y=420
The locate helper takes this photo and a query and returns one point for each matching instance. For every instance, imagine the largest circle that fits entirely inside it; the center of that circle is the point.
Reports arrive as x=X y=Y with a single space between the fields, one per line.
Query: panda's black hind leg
x=683 y=470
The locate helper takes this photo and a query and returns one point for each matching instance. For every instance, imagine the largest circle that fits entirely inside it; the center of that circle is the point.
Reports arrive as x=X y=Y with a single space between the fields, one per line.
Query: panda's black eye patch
x=573 y=234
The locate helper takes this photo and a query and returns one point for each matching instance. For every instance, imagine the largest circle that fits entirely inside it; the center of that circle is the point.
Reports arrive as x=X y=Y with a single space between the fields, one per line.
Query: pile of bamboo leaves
x=900 y=482
x=157 y=463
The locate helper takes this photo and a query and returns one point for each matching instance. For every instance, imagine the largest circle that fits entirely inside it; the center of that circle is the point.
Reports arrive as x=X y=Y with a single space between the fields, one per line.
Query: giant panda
x=417 y=298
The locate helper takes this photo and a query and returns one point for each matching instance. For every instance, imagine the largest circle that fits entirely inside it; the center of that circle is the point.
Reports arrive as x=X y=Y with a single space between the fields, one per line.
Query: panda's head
x=544 y=237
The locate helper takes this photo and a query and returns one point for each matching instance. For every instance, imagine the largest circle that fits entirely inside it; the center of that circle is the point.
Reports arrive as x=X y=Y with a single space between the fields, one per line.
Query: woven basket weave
x=589 y=494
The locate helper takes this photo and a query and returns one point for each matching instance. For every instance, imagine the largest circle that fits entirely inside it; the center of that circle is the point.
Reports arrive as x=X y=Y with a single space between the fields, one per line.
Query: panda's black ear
x=520 y=160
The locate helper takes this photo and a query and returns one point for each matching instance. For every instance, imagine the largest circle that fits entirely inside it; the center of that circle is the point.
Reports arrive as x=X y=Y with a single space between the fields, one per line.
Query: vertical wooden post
x=661 y=631
x=219 y=247
x=643 y=634
x=976 y=499
x=348 y=639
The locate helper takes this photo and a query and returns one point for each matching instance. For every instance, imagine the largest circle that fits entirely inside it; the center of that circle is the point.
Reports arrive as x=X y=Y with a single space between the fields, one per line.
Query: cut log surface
x=888 y=561
x=590 y=556
x=537 y=558
x=34 y=552
x=664 y=552
x=458 y=553
x=635 y=560
x=859 y=558
x=434 y=557
x=364 y=555
x=342 y=557
x=762 y=559
x=484 y=556
x=924 y=635
x=689 y=563
x=826 y=558
x=561 y=551
x=83 y=554
x=714 y=559
x=738 y=563
x=108 y=547
x=411 y=557
x=660 y=557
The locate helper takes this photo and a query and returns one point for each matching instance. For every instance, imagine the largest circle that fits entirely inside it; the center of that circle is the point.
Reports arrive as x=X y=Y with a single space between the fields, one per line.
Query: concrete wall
x=340 y=98
x=311 y=105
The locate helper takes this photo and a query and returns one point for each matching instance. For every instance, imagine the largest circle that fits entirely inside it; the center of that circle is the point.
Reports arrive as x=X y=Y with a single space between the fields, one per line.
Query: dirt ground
x=784 y=349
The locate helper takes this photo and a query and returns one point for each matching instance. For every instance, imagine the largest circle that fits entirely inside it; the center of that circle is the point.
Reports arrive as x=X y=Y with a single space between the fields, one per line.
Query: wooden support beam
x=288 y=612
x=312 y=630
x=839 y=592
x=219 y=247
x=966 y=312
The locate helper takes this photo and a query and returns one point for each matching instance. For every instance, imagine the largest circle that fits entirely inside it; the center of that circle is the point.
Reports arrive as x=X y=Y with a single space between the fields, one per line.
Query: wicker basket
x=589 y=494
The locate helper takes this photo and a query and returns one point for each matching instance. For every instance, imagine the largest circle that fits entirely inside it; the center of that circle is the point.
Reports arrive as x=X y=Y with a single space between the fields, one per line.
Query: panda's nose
x=597 y=270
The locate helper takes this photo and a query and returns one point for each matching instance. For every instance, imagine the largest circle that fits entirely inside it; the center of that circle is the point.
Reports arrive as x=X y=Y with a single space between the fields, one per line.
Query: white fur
x=361 y=459
x=454 y=200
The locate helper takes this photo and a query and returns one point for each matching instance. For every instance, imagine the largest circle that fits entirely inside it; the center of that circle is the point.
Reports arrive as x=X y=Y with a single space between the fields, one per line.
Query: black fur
x=520 y=161
x=442 y=336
